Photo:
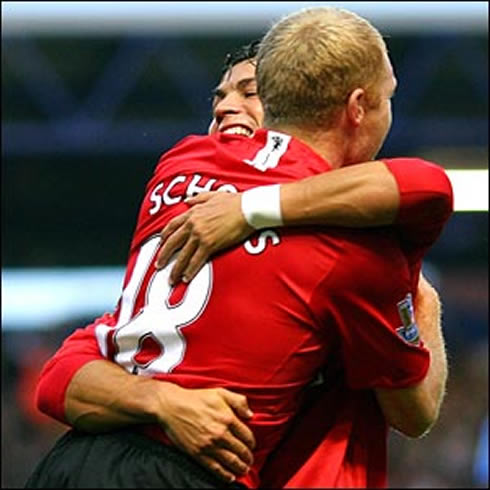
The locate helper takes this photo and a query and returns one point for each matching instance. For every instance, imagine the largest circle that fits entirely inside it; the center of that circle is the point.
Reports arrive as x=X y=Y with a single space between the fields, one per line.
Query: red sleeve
x=373 y=316
x=426 y=198
x=77 y=350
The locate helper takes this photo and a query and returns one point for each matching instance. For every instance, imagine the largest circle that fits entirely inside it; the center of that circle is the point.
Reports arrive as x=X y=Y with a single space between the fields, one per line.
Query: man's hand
x=205 y=423
x=214 y=222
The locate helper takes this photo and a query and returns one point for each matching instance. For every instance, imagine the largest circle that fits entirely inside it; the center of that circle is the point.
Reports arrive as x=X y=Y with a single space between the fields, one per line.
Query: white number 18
x=152 y=341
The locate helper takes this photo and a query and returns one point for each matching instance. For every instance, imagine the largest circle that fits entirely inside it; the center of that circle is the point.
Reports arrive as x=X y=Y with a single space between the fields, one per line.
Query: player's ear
x=355 y=106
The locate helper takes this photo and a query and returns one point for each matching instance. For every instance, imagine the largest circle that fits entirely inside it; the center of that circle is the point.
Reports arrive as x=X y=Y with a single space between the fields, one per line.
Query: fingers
x=181 y=263
x=200 y=198
x=243 y=441
x=238 y=403
x=228 y=460
x=178 y=233
x=241 y=431
x=218 y=468
x=172 y=225
x=231 y=455
x=197 y=260
x=194 y=250
x=217 y=457
x=173 y=243
x=232 y=461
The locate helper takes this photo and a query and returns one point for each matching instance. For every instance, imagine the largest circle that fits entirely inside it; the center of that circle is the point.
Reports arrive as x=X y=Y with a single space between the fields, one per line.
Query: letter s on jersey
x=262 y=242
x=156 y=199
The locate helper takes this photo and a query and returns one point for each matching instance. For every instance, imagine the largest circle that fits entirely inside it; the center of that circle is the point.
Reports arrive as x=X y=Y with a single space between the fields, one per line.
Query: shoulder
x=417 y=176
x=190 y=143
x=372 y=256
x=426 y=198
x=183 y=155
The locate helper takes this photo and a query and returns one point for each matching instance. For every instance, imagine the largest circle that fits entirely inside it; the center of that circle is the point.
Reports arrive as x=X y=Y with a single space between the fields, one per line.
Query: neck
x=330 y=145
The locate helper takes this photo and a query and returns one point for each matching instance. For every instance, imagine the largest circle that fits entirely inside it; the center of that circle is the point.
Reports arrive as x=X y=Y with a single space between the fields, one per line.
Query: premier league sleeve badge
x=408 y=331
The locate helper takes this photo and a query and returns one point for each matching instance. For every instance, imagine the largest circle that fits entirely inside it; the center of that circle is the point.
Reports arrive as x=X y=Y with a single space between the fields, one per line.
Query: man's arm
x=356 y=196
x=414 y=410
x=204 y=423
x=80 y=387
x=369 y=194
x=273 y=473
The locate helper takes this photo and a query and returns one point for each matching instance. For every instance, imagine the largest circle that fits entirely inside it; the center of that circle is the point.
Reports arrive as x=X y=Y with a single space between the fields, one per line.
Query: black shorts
x=120 y=459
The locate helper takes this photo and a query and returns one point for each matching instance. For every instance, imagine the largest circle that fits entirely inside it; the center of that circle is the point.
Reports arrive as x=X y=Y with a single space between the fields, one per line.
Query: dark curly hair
x=247 y=52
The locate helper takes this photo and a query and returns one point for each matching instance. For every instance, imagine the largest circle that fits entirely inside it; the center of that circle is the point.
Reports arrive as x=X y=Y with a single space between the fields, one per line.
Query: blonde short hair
x=310 y=62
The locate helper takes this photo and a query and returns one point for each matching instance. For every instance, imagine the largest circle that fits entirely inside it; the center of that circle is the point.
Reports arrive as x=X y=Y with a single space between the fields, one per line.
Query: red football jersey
x=264 y=317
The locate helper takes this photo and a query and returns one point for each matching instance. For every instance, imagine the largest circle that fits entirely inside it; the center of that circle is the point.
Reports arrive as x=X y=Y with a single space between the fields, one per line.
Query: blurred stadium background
x=94 y=92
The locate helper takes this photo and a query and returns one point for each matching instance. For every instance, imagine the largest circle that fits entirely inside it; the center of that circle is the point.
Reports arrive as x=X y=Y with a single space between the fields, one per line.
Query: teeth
x=238 y=130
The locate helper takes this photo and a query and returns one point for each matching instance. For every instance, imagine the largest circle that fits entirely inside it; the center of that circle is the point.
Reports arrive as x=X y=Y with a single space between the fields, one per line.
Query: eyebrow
x=219 y=92
x=245 y=81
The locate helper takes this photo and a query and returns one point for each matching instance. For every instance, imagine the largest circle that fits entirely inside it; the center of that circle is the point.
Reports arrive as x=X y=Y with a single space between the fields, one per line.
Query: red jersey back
x=264 y=317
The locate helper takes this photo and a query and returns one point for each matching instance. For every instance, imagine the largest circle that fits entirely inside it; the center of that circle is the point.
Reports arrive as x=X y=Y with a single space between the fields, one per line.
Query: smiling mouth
x=238 y=130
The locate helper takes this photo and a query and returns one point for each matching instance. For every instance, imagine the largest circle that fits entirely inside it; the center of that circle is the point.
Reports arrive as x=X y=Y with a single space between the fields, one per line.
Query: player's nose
x=231 y=104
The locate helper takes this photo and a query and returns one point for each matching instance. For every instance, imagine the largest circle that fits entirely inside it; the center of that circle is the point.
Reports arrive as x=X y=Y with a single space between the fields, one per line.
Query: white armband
x=261 y=206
